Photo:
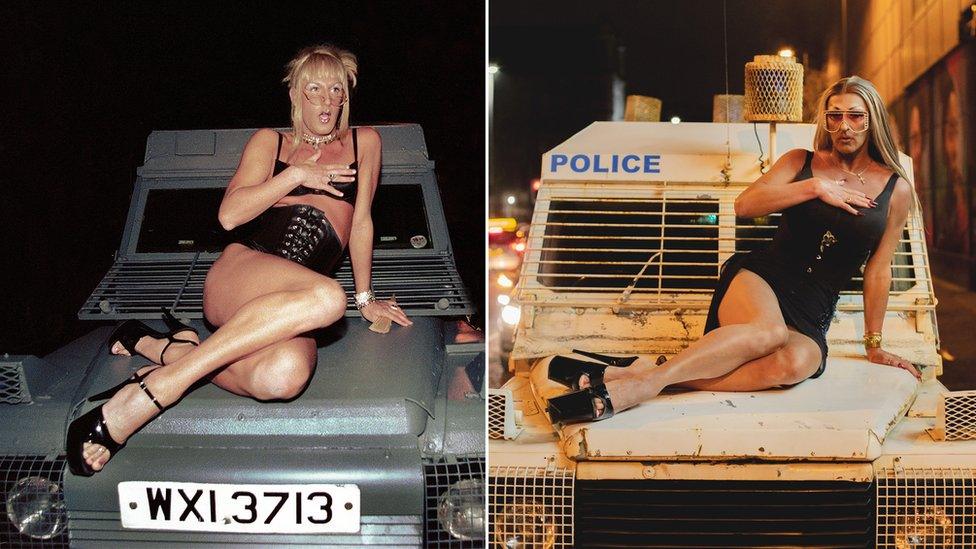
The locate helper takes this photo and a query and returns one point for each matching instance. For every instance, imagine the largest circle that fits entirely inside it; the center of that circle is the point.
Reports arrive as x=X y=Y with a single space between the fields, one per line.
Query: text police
x=606 y=163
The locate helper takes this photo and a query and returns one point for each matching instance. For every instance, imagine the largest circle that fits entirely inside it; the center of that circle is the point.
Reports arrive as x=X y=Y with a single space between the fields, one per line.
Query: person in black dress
x=302 y=197
x=843 y=203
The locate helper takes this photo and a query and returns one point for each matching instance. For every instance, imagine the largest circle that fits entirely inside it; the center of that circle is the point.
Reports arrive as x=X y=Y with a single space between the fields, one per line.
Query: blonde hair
x=881 y=144
x=322 y=62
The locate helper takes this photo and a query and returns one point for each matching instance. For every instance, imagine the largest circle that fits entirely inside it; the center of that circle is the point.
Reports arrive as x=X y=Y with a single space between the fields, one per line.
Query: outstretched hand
x=878 y=356
x=389 y=309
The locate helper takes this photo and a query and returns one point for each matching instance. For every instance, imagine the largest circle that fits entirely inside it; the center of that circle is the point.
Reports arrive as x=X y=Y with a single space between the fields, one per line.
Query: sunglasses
x=857 y=121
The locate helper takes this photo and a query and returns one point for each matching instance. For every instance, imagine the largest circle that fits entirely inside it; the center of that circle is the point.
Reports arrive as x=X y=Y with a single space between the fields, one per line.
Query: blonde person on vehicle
x=845 y=202
x=295 y=202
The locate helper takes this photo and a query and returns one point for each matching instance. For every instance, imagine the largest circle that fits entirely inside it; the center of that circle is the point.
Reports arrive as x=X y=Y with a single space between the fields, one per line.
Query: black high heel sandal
x=580 y=405
x=91 y=428
x=131 y=331
x=567 y=371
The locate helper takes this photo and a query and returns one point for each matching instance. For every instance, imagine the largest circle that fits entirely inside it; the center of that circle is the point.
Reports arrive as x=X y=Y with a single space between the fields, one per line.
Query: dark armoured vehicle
x=372 y=453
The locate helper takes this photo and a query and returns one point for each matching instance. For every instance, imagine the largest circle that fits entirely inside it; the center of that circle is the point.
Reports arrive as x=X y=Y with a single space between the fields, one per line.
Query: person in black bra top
x=843 y=203
x=294 y=204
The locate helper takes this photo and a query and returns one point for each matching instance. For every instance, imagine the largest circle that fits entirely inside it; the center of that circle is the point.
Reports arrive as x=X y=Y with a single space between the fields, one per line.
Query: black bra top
x=348 y=190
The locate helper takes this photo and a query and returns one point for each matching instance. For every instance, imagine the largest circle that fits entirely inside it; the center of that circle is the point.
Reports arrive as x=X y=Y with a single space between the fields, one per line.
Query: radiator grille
x=138 y=287
x=701 y=514
x=926 y=507
x=13 y=384
x=466 y=476
x=531 y=506
x=14 y=468
x=98 y=528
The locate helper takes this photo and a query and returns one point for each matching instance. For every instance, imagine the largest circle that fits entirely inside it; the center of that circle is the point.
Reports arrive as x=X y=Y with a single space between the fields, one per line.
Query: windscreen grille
x=138 y=287
x=609 y=244
x=664 y=244
x=700 y=514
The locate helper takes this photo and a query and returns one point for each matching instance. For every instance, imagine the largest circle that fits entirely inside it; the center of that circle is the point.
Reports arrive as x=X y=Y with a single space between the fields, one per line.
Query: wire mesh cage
x=502 y=415
x=32 y=513
x=957 y=415
x=531 y=506
x=926 y=507
x=774 y=89
x=454 y=502
x=13 y=383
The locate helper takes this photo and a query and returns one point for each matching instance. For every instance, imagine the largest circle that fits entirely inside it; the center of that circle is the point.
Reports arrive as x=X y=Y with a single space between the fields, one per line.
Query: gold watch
x=872 y=340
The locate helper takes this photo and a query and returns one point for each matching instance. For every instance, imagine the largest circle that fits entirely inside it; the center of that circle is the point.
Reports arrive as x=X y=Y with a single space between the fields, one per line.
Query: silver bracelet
x=364 y=298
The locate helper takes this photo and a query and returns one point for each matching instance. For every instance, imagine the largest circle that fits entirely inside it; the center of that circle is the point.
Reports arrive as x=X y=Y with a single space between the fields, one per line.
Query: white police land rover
x=631 y=225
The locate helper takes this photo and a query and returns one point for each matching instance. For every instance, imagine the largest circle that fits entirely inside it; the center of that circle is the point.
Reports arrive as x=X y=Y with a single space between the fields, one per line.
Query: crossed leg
x=263 y=305
x=752 y=349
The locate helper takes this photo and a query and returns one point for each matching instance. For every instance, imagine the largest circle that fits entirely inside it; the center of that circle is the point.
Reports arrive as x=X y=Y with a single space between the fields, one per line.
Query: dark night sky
x=556 y=58
x=83 y=88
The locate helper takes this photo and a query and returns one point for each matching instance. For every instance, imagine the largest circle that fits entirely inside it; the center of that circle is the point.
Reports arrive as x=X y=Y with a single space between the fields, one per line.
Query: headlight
x=35 y=507
x=930 y=527
x=524 y=524
x=504 y=299
x=511 y=315
x=461 y=509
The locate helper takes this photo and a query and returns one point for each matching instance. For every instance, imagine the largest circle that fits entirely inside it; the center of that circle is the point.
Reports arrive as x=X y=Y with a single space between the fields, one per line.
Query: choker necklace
x=857 y=175
x=316 y=141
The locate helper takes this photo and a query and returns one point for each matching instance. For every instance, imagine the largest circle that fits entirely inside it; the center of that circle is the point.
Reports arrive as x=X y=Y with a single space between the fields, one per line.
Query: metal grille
x=24 y=481
x=104 y=529
x=663 y=245
x=774 y=90
x=957 y=415
x=13 y=384
x=926 y=508
x=463 y=479
x=502 y=414
x=138 y=287
x=698 y=514
x=531 y=506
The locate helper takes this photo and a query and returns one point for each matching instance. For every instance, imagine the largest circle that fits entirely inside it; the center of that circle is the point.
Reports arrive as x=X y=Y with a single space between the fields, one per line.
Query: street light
x=493 y=68
x=675 y=119
x=510 y=199
x=786 y=52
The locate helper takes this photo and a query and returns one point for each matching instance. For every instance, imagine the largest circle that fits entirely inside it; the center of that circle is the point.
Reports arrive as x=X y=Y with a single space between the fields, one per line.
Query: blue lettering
x=581 y=166
x=557 y=160
x=596 y=165
x=652 y=163
x=630 y=163
x=614 y=163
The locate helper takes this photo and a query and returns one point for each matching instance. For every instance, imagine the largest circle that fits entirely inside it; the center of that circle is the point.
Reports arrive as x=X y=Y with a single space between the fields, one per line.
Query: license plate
x=251 y=508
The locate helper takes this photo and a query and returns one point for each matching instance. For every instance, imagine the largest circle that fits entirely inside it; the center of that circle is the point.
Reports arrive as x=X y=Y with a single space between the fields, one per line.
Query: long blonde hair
x=322 y=62
x=881 y=144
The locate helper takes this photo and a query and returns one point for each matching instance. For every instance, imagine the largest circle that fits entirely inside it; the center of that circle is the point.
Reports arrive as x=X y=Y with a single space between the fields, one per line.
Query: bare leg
x=751 y=327
x=303 y=301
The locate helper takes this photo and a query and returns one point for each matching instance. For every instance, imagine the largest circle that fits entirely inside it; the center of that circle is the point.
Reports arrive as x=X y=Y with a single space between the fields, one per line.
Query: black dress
x=815 y=252
x=300 y=232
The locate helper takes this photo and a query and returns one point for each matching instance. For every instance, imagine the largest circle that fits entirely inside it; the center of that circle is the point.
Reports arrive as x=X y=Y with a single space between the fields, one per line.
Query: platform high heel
x=91 y=428
x=580 y=405
x=567 y=371
x=131 y=331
